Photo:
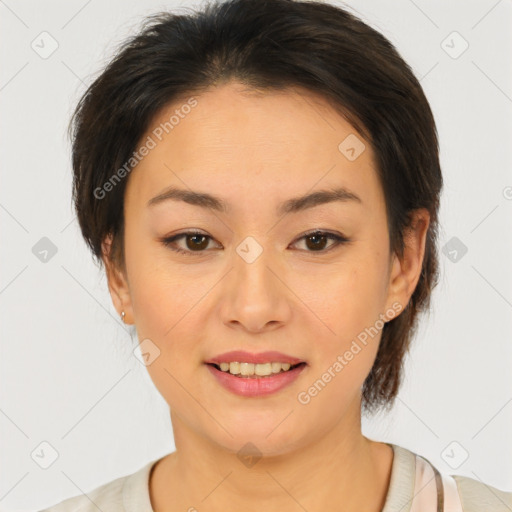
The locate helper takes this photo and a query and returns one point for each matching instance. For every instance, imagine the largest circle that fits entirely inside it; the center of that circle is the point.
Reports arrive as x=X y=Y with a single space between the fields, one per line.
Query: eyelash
x=168 y=242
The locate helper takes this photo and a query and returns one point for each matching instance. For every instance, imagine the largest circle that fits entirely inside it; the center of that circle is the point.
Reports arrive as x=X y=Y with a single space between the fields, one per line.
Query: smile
x=252 y=380
x=252 y=369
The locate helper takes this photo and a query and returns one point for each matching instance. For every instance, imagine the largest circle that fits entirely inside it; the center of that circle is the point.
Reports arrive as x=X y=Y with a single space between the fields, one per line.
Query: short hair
x=270 y=45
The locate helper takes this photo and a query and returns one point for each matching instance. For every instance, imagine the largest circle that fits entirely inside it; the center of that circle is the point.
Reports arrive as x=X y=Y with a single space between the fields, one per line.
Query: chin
x=260 y=438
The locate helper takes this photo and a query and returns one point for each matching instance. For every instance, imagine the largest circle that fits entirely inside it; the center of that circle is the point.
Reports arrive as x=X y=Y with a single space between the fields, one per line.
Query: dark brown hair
x=269 y=45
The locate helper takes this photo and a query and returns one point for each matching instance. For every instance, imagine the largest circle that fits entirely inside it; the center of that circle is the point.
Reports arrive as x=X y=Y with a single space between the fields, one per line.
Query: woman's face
x=254 y=282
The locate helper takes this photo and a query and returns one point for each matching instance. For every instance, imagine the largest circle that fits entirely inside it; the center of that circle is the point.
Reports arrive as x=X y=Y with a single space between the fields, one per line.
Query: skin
x=309 y=303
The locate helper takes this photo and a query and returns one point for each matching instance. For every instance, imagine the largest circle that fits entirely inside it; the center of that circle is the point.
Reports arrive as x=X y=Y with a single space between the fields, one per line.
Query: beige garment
x=415 y=486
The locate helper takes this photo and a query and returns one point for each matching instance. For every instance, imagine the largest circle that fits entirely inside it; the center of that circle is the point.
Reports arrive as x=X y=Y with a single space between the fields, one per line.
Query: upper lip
x=247 y=357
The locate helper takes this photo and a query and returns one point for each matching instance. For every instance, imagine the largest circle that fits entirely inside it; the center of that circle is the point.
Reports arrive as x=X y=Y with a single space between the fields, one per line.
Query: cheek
x=345 y=307
x=161 y=294
x=167 y=306
x=350 y=293
x=344 y=354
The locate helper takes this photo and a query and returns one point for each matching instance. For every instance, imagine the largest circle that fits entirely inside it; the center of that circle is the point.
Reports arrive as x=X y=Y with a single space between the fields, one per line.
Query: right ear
x=117 y=282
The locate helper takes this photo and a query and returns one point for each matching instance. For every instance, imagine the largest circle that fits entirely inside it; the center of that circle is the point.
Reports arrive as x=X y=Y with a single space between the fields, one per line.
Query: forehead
x=272 y=144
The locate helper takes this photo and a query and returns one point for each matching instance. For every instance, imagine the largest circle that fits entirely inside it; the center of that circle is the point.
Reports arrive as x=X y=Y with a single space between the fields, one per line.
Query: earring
x=122 y=315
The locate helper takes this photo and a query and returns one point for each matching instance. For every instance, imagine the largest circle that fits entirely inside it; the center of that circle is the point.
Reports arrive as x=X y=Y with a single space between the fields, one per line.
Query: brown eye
x=194 y=242
x=197 y=242
x=316 y=241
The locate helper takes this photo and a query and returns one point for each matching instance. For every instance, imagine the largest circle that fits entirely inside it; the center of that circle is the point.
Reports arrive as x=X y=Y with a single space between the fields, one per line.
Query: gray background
x=69 y=377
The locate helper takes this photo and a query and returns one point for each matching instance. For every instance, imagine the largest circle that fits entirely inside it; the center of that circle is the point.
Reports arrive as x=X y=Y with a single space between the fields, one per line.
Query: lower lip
x=256 y=386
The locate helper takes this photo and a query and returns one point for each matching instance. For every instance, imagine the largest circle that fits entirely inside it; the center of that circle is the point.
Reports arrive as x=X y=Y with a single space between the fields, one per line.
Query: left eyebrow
x=299 y=204
x=293 y=205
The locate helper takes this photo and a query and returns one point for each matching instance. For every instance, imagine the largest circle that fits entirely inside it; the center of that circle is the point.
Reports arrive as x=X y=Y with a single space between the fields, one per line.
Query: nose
x=255 y=297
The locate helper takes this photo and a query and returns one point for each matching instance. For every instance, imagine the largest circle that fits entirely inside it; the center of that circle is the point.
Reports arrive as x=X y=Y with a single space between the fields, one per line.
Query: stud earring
x=122 y=315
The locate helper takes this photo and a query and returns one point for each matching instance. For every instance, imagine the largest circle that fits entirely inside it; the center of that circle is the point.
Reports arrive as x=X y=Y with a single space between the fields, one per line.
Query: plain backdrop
x=71 y=387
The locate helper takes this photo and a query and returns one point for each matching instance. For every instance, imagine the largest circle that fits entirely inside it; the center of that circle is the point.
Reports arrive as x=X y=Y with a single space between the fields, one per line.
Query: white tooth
x=234 y=368
x=263 y=369
x=247 y=368
x=276 y=367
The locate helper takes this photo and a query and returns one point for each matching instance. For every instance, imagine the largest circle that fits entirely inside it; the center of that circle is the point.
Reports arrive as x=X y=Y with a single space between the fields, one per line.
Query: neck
x=342 y=470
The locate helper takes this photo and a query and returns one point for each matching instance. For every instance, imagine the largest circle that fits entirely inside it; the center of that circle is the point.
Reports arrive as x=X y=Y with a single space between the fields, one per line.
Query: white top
x=415 y=486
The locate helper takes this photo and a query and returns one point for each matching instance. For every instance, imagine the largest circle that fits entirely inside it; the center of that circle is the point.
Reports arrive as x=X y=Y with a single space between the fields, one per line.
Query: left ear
x=406 y=271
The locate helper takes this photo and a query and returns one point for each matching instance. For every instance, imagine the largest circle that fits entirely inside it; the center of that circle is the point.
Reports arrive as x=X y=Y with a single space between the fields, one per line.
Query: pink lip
x=246 y=357
x=255 y=386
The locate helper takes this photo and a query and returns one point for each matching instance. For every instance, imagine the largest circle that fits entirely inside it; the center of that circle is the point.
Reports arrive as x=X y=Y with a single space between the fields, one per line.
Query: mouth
x=243 y=379
x=255 y=371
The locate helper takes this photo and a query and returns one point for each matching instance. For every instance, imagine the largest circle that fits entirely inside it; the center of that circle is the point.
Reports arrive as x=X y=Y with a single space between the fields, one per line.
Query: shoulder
x=127 y=493
x=413 y=473
x=105 y=497
x=476 y=496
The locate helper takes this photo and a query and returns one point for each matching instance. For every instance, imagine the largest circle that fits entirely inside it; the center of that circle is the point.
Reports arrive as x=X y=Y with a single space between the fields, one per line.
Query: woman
x=261 y=180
